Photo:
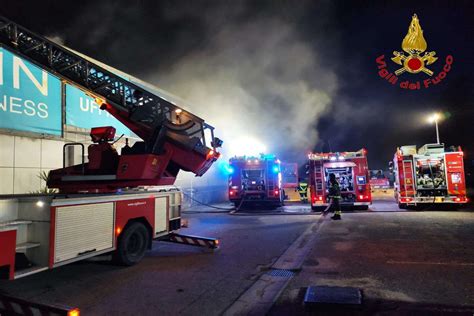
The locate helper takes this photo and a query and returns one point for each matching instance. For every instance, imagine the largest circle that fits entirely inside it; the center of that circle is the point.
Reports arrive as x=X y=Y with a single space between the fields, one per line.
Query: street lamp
x=434 y=118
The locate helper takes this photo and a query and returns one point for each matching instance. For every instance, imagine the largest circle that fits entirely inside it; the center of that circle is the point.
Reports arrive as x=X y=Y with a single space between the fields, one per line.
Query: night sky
x=329 y=46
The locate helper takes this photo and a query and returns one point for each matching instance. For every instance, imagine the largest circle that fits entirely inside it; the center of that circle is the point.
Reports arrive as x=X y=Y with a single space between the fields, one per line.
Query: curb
x=261 y=295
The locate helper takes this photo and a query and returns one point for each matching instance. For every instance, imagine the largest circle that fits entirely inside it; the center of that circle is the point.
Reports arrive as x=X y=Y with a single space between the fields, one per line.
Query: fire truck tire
x=132 y=244
x=402 y=206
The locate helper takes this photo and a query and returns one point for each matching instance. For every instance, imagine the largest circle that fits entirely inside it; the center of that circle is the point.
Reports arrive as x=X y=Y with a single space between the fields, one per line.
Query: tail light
x=461 y=199
x=317 y=198
x=276 y=192
x=406 y=200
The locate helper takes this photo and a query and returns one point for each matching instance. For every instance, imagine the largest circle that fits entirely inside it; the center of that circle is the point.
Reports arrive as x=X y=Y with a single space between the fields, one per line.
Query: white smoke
x=256 y=81
x=246 y=68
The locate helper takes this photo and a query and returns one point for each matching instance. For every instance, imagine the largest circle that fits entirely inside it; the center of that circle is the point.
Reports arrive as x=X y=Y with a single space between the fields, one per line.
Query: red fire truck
x=431 y=174
x=378 y=180
x=352 y=173
x=255 y=179
x=99 y=206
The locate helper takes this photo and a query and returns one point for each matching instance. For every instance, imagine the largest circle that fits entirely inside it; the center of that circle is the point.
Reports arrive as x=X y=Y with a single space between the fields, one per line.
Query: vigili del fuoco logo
x=414 y=60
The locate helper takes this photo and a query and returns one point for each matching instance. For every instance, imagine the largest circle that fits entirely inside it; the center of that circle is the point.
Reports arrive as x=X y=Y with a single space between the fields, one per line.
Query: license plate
x=438 y=199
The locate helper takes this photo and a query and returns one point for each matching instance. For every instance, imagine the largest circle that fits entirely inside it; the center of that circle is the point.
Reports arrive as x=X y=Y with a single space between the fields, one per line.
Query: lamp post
x=434 y=119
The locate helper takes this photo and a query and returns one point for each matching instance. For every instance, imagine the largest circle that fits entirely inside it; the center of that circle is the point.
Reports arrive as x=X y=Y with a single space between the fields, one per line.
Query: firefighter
x=303 y=191
x=335 y=196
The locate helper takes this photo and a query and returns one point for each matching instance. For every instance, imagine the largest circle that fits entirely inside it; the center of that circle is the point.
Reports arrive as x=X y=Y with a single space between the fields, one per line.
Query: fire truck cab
x=352 y=173
x=255 y=179
x=431 y=174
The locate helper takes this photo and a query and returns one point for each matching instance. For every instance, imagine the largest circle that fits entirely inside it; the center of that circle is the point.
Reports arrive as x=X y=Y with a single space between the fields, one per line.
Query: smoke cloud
x=251 y=70
x=258 y=82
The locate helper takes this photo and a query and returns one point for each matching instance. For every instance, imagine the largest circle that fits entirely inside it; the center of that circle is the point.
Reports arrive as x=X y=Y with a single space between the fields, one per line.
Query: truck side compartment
x=44 y=232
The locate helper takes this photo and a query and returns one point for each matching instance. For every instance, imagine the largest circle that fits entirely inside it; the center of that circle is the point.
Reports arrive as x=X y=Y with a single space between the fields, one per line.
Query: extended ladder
x=138 y=108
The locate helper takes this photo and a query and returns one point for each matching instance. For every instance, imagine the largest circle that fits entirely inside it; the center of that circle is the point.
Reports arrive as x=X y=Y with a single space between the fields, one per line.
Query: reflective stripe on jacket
x=303 y=187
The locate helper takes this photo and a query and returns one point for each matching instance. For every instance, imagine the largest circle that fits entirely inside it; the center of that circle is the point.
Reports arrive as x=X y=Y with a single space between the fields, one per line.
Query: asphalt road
x=412 y=262
x=403 y=261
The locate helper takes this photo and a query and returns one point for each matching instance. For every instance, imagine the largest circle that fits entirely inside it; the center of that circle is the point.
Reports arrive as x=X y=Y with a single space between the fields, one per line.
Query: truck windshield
x=253 y=179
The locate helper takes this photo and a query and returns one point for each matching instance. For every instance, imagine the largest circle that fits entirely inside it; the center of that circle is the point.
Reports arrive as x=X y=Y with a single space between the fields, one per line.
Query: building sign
x=82 y=111
x=30 y=98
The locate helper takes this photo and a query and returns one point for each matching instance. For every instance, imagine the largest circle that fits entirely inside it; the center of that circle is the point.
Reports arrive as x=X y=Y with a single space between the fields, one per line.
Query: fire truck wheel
x=132 y=244
x=402 y=206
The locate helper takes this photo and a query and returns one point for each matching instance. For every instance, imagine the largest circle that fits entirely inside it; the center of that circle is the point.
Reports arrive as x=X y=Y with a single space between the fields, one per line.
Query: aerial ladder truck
x=115 y=203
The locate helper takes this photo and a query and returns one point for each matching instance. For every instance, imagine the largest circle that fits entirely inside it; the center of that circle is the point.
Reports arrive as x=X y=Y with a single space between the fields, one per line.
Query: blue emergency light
x=229 y=169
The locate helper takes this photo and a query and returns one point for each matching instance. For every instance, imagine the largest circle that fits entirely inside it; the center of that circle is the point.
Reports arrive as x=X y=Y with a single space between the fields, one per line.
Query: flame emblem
x=414 y=44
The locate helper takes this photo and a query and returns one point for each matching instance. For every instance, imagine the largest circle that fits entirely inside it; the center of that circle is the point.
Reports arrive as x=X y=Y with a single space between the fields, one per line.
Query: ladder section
x=408 y=179
x=270 y=182
x=318 y=178
x=143 y=107
x=173 y=139
x=149 y=115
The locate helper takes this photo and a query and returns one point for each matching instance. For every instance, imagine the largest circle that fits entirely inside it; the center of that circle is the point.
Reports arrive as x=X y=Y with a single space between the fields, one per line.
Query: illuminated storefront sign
x=82 y=111
x=30 y=98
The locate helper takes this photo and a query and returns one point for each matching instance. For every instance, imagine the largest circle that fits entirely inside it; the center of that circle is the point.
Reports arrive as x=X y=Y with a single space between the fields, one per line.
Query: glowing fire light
x=245 y=146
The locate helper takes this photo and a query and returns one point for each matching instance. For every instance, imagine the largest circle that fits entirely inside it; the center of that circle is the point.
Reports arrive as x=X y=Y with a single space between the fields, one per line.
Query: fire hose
x=235 y=208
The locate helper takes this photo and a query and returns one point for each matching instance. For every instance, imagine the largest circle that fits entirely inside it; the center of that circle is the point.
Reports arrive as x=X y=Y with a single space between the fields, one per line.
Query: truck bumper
x=360 y=203
x=438 y=200
x=343 y=204
x=255 y=199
